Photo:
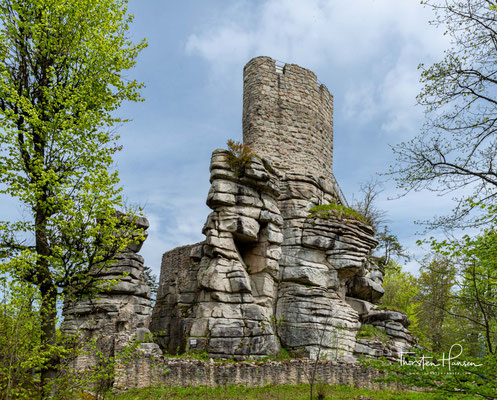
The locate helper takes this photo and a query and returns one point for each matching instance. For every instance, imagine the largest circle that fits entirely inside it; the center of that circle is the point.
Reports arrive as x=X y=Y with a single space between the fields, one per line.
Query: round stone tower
x=288 y=117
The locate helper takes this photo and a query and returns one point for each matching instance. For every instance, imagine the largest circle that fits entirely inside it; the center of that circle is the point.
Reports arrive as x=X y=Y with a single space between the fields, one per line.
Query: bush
x=21 y=354
x=239 y=155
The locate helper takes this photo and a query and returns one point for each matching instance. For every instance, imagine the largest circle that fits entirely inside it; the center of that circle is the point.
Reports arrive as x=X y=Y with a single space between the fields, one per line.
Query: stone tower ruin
x=288 y=117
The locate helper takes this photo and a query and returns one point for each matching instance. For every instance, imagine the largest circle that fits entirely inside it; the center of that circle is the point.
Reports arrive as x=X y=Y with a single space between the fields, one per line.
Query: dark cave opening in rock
x=253 y=254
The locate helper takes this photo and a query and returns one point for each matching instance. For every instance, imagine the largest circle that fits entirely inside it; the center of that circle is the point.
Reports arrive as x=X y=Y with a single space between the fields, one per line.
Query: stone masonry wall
x=288 y=117
x=178 y=290
x=186 y=373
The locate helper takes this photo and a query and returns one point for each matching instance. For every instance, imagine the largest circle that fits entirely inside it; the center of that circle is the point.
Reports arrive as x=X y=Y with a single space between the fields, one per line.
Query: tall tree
x=476 y=299
x=436 y=282
x=457 y=147
x=61 y=81
x=401 y=293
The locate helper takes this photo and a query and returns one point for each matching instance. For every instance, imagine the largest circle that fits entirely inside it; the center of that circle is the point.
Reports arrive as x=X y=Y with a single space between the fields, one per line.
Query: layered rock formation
x=227 y=308
x=321 y=259
x=116 y=316
x=271 y=274
x=268 y=274
x=395 y=339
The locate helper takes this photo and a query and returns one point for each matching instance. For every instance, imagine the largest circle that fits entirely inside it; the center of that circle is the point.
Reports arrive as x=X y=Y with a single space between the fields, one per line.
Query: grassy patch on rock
x=368 y=331
x=332 y=210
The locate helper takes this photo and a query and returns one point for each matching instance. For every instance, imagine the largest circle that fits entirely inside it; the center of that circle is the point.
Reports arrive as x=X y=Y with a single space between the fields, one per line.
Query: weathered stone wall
x=288 y=117
x=177 y=372
x=178 y=290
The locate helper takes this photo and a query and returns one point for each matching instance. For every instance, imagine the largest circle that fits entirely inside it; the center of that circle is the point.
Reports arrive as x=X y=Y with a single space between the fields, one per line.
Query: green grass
x=281 y=356
x=389 y=308
x=338 y=211
x=285 y=392
x=369 y=331
x=198 y=355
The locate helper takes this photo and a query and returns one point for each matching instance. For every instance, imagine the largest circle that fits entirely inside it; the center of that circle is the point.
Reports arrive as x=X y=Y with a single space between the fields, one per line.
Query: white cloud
x=375 y=45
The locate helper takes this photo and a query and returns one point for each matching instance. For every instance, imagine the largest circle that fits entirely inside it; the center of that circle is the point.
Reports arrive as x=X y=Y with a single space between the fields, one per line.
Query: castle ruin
x=267 y=276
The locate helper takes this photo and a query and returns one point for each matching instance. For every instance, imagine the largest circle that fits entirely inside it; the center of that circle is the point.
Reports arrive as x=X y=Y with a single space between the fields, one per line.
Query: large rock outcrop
x=112 y=319
x=269 y=273
x=321 y=257
x=224 y=290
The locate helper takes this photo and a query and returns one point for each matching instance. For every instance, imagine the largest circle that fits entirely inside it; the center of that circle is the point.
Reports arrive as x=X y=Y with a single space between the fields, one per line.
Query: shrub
x=239 y=156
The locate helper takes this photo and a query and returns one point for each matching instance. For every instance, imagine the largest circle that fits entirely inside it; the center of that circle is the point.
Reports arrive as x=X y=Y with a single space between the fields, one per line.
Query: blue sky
x=365 y=51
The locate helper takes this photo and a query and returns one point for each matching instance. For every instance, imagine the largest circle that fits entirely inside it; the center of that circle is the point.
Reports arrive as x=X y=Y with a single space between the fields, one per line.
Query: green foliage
x=368 y=331
x=23 y=355
x=198 y=355
x=271 y=392
x=401 y=294
x=97 y=377
x=281 y=356
x=474 y=304
x=444 y=375
x=388 y=249
x=61 y=82
x=436 y=284
x=239 y=155
x=20 y=340
x=337 y=211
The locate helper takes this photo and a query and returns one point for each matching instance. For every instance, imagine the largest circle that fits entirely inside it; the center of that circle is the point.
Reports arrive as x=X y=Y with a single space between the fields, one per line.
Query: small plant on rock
x=239 y=155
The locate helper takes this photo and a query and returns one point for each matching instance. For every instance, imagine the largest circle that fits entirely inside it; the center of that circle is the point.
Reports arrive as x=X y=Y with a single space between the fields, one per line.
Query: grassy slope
x=300 y=392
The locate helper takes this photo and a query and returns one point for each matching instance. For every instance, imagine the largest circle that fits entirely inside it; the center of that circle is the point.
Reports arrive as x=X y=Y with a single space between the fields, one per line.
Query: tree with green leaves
x=436 y=282
x=62 y=65
x=458 y=299
x=19 y=339
x=457 y=146
x=401 y=294
x=475 y=301
x=389 y=249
